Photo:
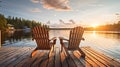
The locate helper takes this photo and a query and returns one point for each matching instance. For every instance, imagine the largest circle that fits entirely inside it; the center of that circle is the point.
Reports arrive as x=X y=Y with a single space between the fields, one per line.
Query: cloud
x=58 y=5
x=36 y=10
x=35 y=1
x=84 y=3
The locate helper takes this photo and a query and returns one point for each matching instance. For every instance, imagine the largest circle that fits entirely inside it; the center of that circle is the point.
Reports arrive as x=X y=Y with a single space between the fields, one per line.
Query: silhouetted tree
x=3 y=23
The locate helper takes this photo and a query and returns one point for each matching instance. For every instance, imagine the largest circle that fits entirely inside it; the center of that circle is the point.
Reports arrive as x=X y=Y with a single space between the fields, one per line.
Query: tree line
x=3 y=23
x=107 y=27
x=18 y=23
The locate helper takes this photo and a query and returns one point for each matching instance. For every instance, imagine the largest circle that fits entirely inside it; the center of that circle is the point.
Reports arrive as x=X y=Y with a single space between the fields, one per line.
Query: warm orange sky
x=85 y=12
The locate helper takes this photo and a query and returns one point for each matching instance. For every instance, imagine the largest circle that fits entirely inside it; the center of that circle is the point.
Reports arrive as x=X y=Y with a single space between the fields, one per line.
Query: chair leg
x=33 y=52
x=61 y=48
x=53 y=47
x=66 y=51
x=82 y=53
x=49 y=54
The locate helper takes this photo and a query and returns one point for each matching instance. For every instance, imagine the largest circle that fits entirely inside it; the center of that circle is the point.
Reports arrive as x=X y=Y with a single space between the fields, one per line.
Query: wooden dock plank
x=12 y=56
x=51 y=61
x=63 y=60
x=76 y=60
x=88 y=60
x=35 y=58
x=70 y=61
x=5 y=53
x=11 y=59
x=97 y=58
x=44 y=61
x=94 y=58
x=102 y=60
x=41 y=56
x=20 y=57
x=105 y=58
x=57 y=57
x=82 y=63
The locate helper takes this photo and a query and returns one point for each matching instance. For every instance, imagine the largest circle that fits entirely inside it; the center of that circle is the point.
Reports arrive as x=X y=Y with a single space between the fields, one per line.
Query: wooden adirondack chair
x=75 y=38
x=41 y=36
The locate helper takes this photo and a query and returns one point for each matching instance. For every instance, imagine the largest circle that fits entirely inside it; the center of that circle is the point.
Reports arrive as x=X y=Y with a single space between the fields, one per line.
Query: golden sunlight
x=94 y=34
x=94 y=25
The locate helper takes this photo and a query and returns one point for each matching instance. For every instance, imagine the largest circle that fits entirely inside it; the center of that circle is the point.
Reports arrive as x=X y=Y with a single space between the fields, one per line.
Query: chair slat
x=41 y=36
x=75 y=37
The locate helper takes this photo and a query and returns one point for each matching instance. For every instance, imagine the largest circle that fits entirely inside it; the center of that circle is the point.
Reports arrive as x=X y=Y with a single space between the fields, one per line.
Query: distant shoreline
x=60 y=28
x=104 y=32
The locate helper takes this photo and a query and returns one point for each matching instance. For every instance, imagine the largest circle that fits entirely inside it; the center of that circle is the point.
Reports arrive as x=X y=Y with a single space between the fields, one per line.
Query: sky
x=84 y=12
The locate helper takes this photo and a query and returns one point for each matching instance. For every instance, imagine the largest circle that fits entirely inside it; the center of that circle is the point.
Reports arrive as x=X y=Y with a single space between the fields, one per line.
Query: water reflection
x=16 y=35
x=59 y=33
x=106 y=42
x=94 y=34
x=103 y=40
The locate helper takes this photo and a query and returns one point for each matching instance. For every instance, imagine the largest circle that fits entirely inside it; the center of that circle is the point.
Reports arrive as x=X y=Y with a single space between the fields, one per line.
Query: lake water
x=105 y=42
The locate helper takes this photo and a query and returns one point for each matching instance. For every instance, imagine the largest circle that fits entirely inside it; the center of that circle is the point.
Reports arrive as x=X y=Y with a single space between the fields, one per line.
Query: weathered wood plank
x=20 y=57
x=51 y=61
x=105 y=58
x=70 y=61
x=42 y=55
x=21 y=63
x=88 y=61
x=57 y=57
x=45 y=60
x=93 y=58
x=76 y=60
x=30 y=60
x=6 y=51
x=63 y=60
x=84 y=62
x=13 y=56
x=101 y=60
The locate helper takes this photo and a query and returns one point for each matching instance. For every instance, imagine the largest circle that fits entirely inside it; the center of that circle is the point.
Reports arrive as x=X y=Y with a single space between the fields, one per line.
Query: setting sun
x=94 y=25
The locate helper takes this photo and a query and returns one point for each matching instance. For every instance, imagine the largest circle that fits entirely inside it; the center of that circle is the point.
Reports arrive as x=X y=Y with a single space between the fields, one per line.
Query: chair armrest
x=63 y=45
x=61 y=40
x=32 y=39
x=53 y=39
x=83 y=39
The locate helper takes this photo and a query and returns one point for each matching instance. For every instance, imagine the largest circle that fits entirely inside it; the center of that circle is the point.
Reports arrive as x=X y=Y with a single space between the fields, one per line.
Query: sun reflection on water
x=94 y=34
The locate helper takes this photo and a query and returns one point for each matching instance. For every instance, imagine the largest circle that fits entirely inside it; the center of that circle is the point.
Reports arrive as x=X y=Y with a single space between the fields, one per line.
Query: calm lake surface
x=105 y=42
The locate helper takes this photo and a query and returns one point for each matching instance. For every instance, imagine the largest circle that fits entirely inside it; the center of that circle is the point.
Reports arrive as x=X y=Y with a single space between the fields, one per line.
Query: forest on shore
x=18 y=23
x=107 y=27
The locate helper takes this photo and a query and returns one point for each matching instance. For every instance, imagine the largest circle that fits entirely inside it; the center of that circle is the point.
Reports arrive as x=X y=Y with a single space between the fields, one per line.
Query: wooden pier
x=20 y=57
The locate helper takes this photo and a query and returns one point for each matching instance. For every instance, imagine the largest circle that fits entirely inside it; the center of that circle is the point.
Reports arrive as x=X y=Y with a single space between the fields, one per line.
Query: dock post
x=0 y=39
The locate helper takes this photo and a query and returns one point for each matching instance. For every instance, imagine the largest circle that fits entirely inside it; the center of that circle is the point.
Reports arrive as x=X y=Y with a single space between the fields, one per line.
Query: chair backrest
x=75 y=37
x=41 y=35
